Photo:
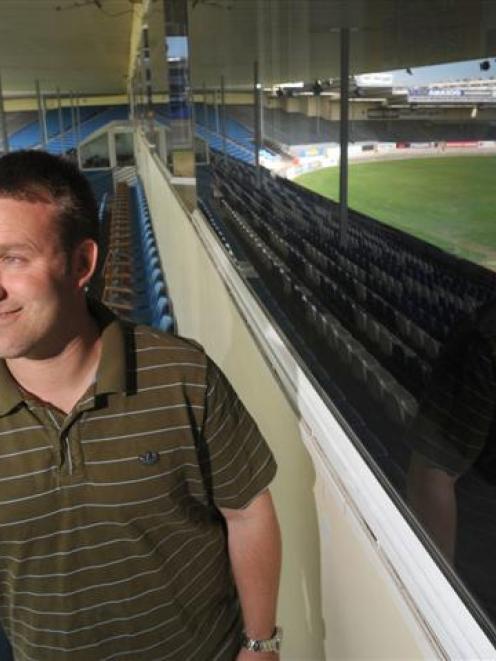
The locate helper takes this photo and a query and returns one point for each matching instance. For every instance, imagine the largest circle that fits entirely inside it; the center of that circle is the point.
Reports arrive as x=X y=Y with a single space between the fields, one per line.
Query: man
x=135 y=520
x=452 y=473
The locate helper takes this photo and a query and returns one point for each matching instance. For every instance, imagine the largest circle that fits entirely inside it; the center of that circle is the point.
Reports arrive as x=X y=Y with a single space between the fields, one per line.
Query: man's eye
x=14 y=259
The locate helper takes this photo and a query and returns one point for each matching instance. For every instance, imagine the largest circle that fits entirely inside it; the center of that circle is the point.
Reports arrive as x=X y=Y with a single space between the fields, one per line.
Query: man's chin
x=19 y=351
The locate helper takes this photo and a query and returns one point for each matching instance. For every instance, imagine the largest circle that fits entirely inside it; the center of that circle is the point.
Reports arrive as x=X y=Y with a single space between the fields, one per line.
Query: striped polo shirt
x=111 y=542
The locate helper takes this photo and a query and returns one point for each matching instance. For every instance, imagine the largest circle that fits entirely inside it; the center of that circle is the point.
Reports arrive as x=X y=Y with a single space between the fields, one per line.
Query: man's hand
x=245 y=655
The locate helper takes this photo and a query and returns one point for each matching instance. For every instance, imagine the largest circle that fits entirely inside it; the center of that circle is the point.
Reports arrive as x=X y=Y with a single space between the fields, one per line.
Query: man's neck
x=62 y=379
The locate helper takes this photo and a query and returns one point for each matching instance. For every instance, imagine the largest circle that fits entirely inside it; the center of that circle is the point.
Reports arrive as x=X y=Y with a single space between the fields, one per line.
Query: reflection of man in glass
x=452 y=474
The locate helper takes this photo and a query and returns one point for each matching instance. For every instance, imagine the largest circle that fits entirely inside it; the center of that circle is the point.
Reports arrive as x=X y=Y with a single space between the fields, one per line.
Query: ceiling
x=299 y=39
x=85 y=45
x=79 y=47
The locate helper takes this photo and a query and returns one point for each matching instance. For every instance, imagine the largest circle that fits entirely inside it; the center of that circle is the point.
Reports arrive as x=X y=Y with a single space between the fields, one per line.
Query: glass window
x=95 y=154
x=387 y=299
x=124 y=149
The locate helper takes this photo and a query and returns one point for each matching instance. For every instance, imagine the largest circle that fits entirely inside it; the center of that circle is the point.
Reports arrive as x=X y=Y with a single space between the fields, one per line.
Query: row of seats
x=215 y=141
x=240 y=139
x=397 y=252
x=217 y=227
x=375 y=302
x=326 y=327
x=438 y=302
x=362 y=310
x=29 y=136
x=300 y=129
x=133 y=281
x=207 y=116
x=92 y=118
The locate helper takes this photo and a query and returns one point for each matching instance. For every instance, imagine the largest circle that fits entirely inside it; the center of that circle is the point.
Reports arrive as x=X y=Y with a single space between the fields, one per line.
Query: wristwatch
x=272 y=644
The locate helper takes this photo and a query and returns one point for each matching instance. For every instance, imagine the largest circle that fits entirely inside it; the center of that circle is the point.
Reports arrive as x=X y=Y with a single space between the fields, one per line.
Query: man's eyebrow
x=28 y=247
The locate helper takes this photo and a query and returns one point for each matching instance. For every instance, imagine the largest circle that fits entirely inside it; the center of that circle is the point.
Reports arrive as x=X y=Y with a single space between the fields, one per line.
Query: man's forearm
x=254 y=544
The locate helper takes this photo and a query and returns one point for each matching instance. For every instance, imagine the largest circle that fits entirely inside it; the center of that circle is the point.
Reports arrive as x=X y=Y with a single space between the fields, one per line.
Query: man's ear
x=84 y=261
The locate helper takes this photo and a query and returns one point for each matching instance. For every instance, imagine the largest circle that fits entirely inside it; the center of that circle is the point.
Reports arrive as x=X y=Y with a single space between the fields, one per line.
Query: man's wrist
x=263 y=645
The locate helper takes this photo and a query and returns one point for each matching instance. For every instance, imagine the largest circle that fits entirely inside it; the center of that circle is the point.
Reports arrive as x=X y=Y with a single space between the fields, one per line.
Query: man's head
x=48 y=254
x=36 y=176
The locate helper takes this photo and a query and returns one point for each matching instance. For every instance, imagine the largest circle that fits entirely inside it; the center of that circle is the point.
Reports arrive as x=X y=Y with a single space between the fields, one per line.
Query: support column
x=223 y=116
x=205 y=105
x=3 y=123
x=41 y=115
x=258 y=124
x=78 y=121
x=73 y=120
x=44 y=105
x=343 y=136
x=149 y=114
x=61 y=122
x=180 y=97
x=217 y=118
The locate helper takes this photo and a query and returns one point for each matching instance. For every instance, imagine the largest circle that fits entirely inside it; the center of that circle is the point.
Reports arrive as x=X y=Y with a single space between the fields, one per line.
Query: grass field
x=447 y=201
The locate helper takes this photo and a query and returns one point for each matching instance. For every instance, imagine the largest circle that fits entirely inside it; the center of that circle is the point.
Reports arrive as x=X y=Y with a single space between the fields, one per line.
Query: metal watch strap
x=272 y=644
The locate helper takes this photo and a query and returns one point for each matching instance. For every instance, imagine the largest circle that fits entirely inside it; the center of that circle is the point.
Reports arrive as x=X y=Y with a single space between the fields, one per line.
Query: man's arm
x=254 y=544
x=449 y=435
x=431 y=493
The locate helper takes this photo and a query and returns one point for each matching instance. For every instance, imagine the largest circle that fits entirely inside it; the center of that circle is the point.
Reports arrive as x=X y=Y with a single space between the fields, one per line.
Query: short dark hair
x=37 y=176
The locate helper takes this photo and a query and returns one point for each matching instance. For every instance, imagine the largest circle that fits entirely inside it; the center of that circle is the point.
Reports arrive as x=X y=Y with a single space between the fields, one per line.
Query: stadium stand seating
x=383 y=304
x=101 y=183
x=18 y=120
x=298 y=129
x=92 y=119
x=89 y=124
x=239 y=137
x=133 y=280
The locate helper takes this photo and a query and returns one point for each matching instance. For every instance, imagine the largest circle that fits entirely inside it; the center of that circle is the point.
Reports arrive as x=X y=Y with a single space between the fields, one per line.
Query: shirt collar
x=10 y=394
x=112 y=371
x=113 y=368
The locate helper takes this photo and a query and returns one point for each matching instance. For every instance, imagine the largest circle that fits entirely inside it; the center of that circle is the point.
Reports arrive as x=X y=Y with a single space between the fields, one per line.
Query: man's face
x=38 y=288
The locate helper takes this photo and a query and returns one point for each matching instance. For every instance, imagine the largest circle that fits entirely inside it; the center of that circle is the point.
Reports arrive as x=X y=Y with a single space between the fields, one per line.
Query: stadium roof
x=79 y=47
x=85 y=45
x=299 y=39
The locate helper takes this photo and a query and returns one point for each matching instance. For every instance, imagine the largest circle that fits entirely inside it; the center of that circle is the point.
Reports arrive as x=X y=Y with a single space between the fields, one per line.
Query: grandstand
x=92 y=118
x=289 y=129
x=382 y=306
x=239 y=136
x=132 y=278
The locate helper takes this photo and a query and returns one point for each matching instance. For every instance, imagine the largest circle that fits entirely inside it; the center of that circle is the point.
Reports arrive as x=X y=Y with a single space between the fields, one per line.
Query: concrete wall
x=30 y=103
x=323 y=106
x=336 y=601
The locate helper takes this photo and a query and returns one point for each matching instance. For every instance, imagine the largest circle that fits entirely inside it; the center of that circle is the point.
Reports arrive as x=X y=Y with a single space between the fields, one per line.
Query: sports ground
x=448 y=201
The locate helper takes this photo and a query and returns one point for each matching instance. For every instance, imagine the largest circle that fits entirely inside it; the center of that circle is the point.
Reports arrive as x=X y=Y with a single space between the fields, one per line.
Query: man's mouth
x=9 y=313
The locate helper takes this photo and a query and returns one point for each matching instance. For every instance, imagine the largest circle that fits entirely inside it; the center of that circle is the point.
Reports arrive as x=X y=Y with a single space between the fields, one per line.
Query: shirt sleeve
x=237 y=462
x=457 y=412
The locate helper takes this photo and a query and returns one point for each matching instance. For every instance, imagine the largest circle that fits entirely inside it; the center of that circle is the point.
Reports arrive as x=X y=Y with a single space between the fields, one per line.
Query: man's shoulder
x=152 y=341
